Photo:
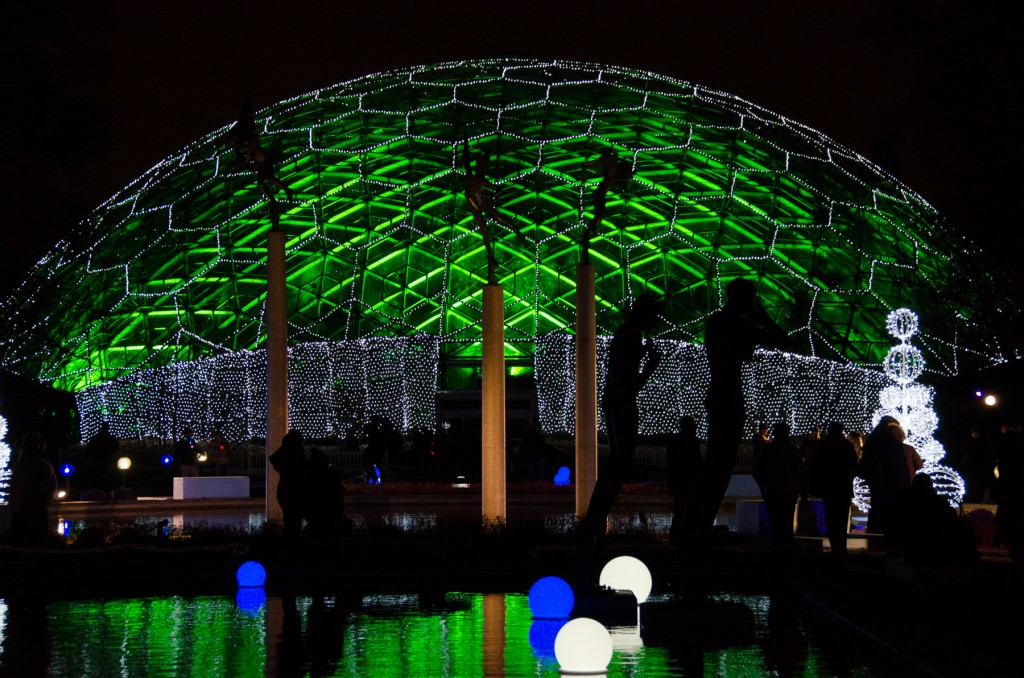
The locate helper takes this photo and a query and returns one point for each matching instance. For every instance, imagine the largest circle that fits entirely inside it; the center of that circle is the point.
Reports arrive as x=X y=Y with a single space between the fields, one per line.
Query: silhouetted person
x=291 y=464
x=927 y=531
x=532 y=451
x=220 y=455
x=883 y=465
x=977 y=463
x=100 y=460
x=808 y=448
x=377 y=441
x=482 y=205
x=244 y=139
x=614 y=171
x=325 y=497
x=33 y=484
x=832 y=470
x=631 y=362
x=730 y=337
x=762 y=437
x=910 y=455
x=1009 y=493
x=684 y=461
x=186 y=450
x=778 y=473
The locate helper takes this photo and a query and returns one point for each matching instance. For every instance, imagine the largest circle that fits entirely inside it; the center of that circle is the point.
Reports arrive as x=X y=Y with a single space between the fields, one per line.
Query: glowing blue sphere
x=251 y=574
x=67 y=469
x=166 y=460
x=551 y=598
x=562 y=476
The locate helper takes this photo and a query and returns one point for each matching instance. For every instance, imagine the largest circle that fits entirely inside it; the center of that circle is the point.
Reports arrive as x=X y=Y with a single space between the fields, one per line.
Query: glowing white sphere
x=903 y=363
x=902 y=323
x=629 y=574
x=124 y=463
x=583 y=645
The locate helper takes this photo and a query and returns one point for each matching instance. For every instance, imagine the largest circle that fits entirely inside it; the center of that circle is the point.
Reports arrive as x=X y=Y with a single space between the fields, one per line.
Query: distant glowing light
x=67 y=469
x=991 y=400
x=167 y=460
x=124 y=463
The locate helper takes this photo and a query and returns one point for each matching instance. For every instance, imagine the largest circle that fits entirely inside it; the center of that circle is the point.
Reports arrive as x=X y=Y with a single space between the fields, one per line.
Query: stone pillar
x=492 y=443
x=586 y=388
x=277 y=366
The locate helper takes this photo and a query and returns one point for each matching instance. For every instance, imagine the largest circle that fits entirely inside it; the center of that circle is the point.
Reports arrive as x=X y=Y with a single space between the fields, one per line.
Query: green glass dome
x=381 y=241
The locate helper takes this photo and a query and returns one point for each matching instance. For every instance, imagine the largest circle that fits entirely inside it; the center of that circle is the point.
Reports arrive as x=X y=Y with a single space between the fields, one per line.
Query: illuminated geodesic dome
x=381 y=243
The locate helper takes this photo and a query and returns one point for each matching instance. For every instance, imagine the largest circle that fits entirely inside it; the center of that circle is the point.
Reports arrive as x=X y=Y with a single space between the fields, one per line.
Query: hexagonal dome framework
x=381 y=241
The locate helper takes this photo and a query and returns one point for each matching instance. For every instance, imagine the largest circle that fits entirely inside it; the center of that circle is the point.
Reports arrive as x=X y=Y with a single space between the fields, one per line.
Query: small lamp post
x=124 y=463
x=66 y=470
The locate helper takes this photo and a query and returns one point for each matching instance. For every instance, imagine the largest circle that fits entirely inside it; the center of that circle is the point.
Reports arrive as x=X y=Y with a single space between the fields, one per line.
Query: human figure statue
x=883 y=466
x=631 y=362
x=684 y=461
x=614 y=171
x=482 y=205
x=33 y=484
x=778 y=472
x=730 y=336
x=245 y=140
x=292 y=466
x=832 y=470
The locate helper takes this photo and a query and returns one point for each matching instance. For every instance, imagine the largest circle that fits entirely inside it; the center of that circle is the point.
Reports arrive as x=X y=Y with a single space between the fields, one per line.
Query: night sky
x=97 y=93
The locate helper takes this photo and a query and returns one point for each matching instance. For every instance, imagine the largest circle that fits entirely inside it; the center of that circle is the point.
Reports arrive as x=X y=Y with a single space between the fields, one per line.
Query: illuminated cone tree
x=910 y=403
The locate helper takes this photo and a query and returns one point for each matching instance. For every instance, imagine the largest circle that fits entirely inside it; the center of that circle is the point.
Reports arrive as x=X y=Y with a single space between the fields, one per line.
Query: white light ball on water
x=626 y=573
x=583 y=646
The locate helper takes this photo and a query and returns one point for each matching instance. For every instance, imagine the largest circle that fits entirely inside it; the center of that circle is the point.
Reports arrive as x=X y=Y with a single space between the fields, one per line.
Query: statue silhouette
x=615 y=172
x=244 y=140
x=482 y=205
x=631 y=362
x=730 y=336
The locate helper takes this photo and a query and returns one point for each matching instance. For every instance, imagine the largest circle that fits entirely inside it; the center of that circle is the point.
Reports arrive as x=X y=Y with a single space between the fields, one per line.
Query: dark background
x=97 y=93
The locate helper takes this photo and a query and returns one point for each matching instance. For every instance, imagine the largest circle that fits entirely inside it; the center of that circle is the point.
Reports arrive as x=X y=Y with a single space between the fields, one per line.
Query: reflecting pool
x=454 y=635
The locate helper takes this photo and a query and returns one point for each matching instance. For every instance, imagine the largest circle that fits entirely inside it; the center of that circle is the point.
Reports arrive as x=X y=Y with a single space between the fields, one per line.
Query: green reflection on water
x=455 y=635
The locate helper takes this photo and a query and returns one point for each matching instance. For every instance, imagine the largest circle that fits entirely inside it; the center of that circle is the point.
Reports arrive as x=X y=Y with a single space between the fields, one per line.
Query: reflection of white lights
x=460 y=482
x=626 y=639
x=583 y=646
x=201 y=456
x=626 y=573
x=61 y=494
x=124 y=463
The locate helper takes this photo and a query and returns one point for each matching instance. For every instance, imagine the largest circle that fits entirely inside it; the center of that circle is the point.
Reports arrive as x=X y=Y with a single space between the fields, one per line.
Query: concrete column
x=492 y=414
x=586 y=388
x=277 y=366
